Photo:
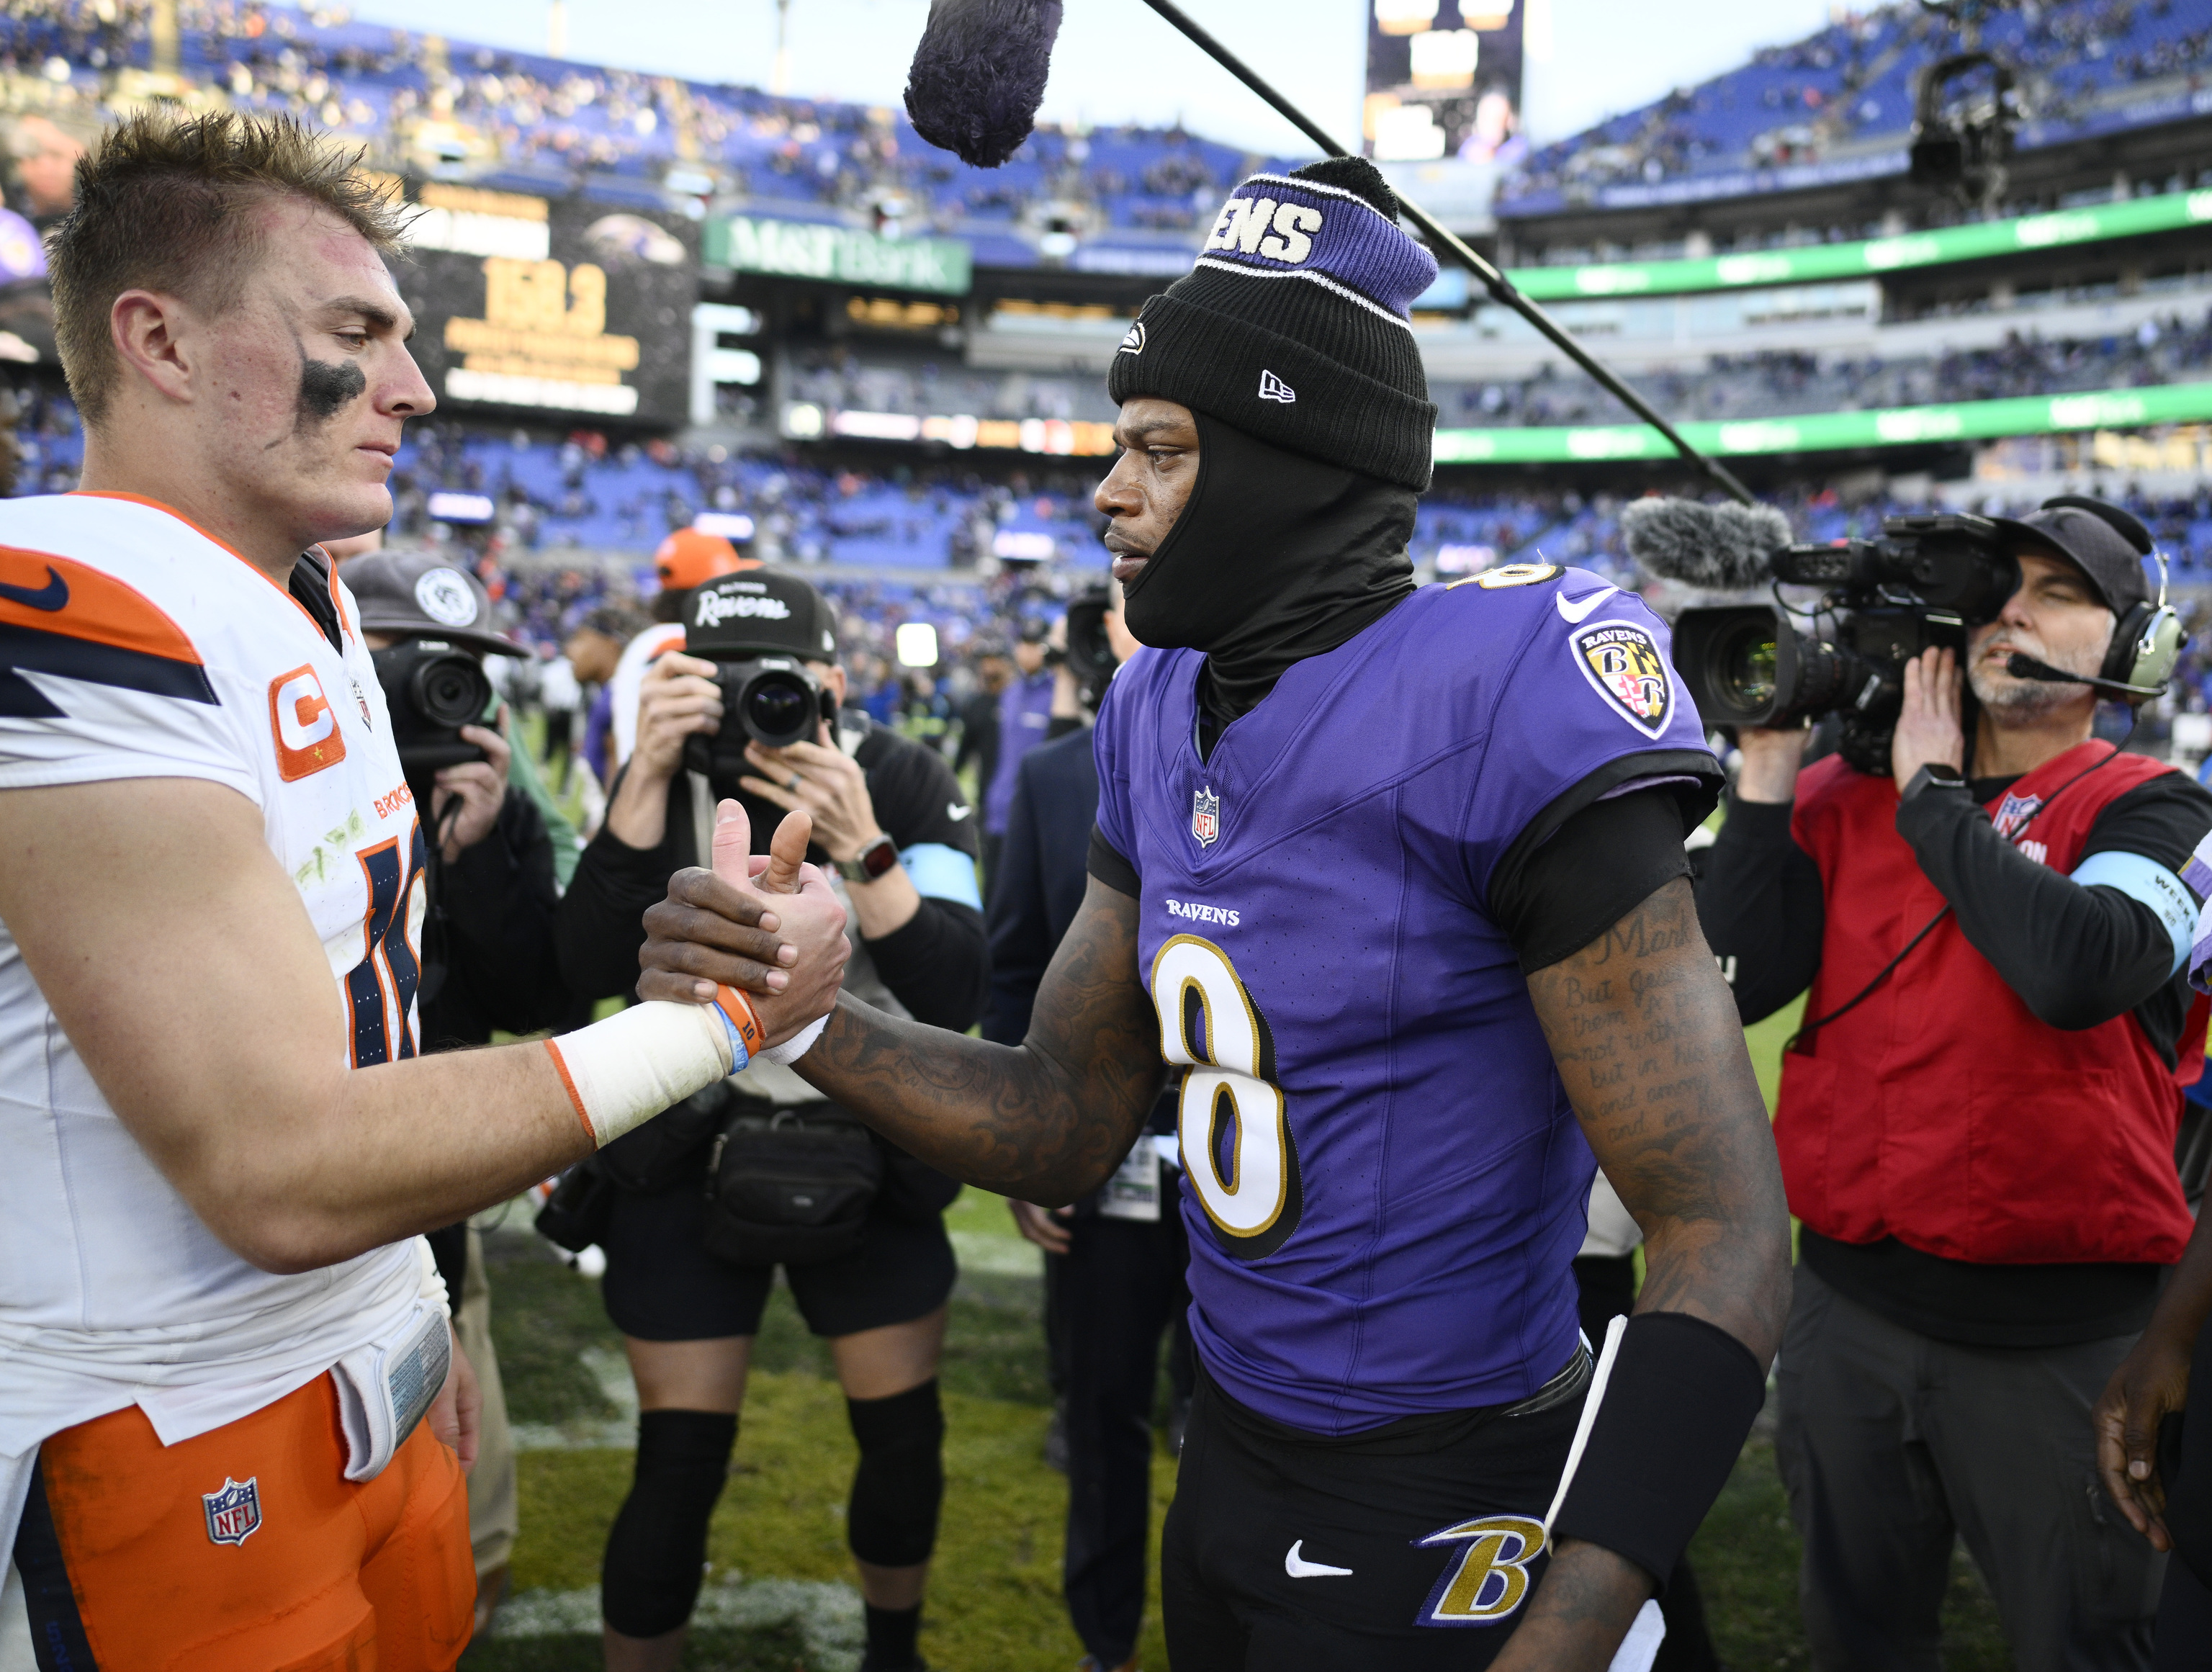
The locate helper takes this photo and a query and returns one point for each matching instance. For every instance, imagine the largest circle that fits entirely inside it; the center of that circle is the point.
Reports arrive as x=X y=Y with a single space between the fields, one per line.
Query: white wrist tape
x=623 y=1071
x=797 y=1046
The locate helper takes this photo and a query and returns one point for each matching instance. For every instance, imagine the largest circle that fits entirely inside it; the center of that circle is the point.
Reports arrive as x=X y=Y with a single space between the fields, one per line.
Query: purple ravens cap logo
x=1624 y=665
x=233 y=1512
x=1206 y=816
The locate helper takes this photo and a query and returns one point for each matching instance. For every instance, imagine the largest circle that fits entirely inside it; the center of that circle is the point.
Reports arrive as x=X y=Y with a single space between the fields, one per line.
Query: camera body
x=774 y=700
x=432 y=689
x=1090 y=652
x=1921 y=586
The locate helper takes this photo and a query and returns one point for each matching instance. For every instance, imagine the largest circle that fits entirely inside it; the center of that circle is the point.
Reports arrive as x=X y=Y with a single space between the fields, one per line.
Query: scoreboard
x=551 y=307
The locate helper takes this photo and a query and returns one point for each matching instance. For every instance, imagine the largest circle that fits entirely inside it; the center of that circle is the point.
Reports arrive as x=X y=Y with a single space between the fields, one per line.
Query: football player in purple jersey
x=1396 y=875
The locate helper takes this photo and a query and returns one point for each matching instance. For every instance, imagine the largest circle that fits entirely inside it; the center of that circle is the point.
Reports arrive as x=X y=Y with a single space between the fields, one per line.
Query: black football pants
x=1119 y=1288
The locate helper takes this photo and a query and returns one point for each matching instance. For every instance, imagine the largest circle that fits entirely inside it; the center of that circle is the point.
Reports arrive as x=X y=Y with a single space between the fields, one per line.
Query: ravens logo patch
x=1624 y=665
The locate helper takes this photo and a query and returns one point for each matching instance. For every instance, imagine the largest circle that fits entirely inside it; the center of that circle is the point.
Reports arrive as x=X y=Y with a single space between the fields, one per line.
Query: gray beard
x=2027 y=699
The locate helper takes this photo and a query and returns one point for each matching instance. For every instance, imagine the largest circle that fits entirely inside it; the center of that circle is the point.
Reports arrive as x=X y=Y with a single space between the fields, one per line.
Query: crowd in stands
x=1778 y=383
x=1852 y=85
x=535 y=122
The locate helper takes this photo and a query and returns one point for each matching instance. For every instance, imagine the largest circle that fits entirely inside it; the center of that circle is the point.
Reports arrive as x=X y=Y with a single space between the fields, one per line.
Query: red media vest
x=1940 y=1111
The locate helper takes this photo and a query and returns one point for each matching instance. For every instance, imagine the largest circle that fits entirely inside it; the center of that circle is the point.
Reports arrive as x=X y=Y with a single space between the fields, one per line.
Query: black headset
x=2148 y=641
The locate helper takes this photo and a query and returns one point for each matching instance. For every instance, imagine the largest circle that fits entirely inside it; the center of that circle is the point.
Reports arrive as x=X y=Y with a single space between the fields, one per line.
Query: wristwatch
x=1936 y=775
x=871 y=862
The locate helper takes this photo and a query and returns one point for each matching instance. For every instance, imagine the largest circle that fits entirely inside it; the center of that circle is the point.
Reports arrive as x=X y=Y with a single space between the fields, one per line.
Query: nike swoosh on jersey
x=54 y=595
x=1298 y=1568
x=1578 y=611
x=954 y=811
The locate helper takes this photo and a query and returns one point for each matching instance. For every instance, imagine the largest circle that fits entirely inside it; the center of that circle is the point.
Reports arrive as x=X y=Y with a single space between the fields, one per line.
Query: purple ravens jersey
x=1384 y=1184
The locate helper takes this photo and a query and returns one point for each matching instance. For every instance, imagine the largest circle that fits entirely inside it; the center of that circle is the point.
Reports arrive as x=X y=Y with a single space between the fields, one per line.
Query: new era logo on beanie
x=1295 y=325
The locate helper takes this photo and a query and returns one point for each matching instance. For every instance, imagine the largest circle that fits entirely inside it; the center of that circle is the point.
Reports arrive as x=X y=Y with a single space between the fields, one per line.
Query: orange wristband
x=743 y=1019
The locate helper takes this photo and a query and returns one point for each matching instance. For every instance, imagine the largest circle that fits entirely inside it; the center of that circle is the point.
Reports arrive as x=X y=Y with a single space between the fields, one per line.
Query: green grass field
x=778 y=1597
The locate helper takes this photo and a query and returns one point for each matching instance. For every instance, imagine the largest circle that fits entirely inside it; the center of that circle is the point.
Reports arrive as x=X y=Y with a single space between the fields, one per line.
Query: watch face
x=881 y=856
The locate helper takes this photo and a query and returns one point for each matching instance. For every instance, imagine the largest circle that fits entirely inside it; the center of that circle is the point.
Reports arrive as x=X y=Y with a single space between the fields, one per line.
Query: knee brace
x=657 y=1551
x=899 y=1486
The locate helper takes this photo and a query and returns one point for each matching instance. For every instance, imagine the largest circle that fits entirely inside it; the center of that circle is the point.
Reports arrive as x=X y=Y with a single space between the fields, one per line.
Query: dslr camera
x=1090 y=652
x=432 y=689
x=775 y=701
x=1921 y=585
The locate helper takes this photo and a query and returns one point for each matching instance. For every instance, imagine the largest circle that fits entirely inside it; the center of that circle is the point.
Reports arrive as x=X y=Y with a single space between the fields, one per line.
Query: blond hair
x=168 y=205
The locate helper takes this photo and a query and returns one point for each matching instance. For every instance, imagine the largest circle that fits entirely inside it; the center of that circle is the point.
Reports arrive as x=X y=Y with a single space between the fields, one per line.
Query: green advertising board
x=1832 y=432
x=838 y=255
x=1870 y=257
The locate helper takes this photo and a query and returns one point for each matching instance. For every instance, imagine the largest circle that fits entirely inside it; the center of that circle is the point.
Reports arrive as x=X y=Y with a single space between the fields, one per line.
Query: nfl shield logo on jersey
x=1623 y=664
x=234 y=1512
x=1206 y=816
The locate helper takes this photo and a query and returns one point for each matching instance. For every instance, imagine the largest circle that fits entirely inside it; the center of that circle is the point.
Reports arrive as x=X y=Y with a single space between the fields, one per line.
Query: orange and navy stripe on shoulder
x=61 y=617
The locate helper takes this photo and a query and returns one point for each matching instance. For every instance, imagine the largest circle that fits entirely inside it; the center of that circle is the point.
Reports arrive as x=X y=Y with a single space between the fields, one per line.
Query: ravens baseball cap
x=2108 y=543
x=760 y=612
x=421 y=595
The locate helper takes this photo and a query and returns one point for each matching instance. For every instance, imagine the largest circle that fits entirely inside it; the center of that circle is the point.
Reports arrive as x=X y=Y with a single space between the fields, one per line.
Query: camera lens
x=1744 y=666
x=779 y=708
x=450 y=690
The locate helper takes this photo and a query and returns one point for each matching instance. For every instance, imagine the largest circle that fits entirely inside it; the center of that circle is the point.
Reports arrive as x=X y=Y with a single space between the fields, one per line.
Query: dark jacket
x=498 y=904
x=1042 y=876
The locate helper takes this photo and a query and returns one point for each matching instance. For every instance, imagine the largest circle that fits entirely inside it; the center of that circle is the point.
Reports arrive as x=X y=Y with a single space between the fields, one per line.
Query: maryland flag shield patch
x=1624 y=665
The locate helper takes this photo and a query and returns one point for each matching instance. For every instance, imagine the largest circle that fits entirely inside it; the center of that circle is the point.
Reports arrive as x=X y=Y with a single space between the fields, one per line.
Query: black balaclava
x=1276 y=557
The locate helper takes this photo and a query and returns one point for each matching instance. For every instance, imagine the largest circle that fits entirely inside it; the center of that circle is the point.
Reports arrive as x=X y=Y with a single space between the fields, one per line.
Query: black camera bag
x=790 y=1186
x=581 y=1208
x=668 y=1149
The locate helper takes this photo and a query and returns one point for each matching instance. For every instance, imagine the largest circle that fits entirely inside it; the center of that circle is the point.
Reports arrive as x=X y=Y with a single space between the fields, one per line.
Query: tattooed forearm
x=1647 y=1040
x=1045 y=1121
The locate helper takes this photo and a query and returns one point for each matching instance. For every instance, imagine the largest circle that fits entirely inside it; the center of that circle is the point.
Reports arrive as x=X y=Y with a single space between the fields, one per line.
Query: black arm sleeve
x=2076 y=956
x=601 y=923
x=1762 y=908
x=1602 y=864
x=938 y=963
x=1106 y=863
x=500 y=905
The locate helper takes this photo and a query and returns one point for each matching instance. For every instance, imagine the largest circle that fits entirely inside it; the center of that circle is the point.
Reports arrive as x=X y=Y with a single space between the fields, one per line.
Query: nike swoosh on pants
x=1298 y=1568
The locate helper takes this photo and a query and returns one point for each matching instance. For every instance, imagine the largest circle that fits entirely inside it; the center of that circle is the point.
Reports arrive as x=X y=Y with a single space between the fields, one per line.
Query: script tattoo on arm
x=1044 y=1122
x=1647 y=1040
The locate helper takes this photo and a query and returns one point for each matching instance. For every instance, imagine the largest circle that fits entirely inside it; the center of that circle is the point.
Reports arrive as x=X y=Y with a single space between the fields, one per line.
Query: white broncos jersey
x=132 y=645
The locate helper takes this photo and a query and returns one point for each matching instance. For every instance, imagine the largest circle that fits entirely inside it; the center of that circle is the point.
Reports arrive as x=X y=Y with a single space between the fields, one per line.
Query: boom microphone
x=1722 y=548
x=979 y=76
x=2022 y=666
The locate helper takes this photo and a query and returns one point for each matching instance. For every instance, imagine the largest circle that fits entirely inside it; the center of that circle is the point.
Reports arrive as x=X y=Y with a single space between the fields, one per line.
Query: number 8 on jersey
x=1209 y=1025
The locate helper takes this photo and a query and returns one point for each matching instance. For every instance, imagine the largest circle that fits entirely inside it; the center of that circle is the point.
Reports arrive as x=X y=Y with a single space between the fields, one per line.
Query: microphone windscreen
x=1722 y=548
x=979 y=76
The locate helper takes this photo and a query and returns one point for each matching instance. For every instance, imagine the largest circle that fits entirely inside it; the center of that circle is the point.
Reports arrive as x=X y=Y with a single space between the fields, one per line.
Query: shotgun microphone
x=2022 y=666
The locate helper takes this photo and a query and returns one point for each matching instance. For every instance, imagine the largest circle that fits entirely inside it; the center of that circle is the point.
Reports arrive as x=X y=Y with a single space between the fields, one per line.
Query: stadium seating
x=2085 y=67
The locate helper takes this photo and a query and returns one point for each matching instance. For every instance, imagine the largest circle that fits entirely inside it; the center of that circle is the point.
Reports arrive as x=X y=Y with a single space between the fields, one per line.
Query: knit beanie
x=1295 y=326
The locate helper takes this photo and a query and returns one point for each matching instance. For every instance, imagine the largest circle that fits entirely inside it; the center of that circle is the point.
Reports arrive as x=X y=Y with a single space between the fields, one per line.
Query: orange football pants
x=123 y=1571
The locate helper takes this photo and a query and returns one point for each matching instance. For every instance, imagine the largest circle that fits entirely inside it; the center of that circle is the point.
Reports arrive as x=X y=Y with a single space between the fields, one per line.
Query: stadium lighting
x=916 y=642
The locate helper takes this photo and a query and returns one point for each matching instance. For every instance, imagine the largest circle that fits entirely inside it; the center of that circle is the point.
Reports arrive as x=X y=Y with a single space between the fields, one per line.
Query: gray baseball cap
x=422 y=595
x=2108 y=543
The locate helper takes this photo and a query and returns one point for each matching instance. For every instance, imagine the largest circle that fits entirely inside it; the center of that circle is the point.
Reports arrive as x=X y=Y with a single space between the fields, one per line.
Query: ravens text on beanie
x=1295 y=325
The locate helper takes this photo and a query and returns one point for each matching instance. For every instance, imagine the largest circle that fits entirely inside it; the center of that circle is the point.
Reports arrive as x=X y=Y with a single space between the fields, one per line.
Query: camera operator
x=1977 y=1120
x=890 y=821
x=1114 y=1260
x=488 y=956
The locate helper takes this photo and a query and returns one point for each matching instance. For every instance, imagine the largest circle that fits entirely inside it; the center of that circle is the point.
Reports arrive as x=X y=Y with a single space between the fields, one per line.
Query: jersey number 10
x=1233 y=1129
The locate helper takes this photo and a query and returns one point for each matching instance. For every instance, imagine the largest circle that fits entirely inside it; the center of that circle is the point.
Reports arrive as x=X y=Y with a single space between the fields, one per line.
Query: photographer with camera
x=1978 y=1117
x=766 y=1172
x=488 y=933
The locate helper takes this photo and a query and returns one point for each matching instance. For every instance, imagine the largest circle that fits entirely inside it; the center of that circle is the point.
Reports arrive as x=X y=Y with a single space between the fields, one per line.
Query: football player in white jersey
x=218 y=1332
